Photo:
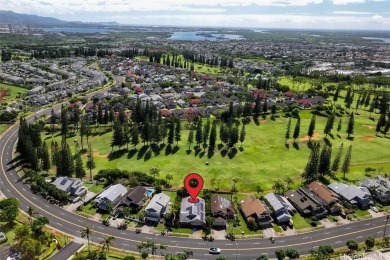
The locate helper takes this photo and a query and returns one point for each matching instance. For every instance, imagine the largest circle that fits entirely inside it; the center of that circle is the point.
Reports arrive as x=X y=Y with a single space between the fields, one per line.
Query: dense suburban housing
x=305 y=202
x=328 y=198
x=72 y=186
x=256 y=210
x=134 y=199
x=281 y=206
x=352 y=194
x=379 y=188
x=221 y=209
x=192 y=214
x=157 y=206
x=111 y=195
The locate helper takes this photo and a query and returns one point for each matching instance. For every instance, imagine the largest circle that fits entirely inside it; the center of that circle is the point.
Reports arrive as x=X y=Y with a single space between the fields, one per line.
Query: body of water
x=386 y=40
x=76 y=30
x=203 y=36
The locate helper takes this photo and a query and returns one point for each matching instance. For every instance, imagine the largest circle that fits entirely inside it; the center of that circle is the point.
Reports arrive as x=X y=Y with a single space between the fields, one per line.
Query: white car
x=214 y=250
x=374 y=209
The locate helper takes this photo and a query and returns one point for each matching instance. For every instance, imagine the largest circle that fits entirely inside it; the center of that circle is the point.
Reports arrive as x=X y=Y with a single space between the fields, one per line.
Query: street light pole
x=384 y=231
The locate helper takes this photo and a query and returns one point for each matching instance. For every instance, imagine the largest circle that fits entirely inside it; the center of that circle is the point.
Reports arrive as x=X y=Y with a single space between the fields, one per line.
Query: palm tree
x=169 y=177
x=31 y=213
x=107 y=242
x=288 y=181
x=259 y=190
x=235 y=180
x=163 y=247
x=87 y=232
x=140 y=246
x=218 y=182
x=278 y=186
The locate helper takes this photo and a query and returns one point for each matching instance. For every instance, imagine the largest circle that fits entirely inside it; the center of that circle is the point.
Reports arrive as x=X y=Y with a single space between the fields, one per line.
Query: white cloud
x=346 y=2
x=70 y=6
x=264 y=20
x=351 y=13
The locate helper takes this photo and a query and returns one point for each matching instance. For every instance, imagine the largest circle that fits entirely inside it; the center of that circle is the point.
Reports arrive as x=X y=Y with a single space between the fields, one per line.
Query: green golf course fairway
x=264 y=157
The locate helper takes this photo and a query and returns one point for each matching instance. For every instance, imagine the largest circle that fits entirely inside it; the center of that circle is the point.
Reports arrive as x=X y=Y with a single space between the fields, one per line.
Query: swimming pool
x=149 y=192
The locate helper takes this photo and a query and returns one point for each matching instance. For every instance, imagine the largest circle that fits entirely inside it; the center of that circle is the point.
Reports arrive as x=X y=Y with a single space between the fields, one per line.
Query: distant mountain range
x=9 y=17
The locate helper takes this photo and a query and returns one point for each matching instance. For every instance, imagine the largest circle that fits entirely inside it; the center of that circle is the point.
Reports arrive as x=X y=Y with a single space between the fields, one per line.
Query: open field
x=14 y=91
x=263 y=159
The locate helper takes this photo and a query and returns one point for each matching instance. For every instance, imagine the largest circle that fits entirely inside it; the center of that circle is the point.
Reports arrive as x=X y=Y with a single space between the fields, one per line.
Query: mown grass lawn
x=3 y=127
x=263 y=158
x=13 y=91
x=300 y=222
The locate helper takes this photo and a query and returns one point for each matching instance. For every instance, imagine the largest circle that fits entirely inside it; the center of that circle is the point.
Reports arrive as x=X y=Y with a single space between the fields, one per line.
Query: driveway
x=5 y=250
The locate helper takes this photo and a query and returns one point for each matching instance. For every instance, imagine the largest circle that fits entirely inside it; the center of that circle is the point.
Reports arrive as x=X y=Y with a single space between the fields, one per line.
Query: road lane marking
x=181 y=247
x=348 y=228
x=337 y=242
x=256 y=243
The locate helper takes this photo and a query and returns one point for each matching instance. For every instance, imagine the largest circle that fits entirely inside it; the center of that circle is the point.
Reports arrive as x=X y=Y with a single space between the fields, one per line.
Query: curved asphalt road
x=70 y=223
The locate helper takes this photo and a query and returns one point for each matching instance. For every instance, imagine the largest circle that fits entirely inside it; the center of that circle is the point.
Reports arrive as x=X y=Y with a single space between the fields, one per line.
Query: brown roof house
x=134 y=199
x=256 y=210
x=305 y=202
x=221 y=209
x=328 y=198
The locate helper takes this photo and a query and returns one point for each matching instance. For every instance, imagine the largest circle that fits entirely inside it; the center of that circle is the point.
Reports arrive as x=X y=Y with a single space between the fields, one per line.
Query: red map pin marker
x=194 y=184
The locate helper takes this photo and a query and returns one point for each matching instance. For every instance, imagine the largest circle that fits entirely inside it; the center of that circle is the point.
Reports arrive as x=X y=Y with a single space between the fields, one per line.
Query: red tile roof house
x=304 y=103
x=138 y=90
x=288 y=94
x=195 y=102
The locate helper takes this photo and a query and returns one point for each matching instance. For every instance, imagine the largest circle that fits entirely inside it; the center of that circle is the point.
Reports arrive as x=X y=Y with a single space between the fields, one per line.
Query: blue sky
x=314 y=14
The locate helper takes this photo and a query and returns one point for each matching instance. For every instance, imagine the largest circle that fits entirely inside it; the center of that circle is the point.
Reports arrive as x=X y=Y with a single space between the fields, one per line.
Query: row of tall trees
x=33 y=151
x=320 y=165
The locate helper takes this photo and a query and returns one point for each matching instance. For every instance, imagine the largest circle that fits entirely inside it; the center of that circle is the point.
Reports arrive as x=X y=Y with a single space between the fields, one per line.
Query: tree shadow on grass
x=148 y=155
x=201 y=154
x=220 y=146
x=210 y=152
x=116 y=154
x=287 y=145
x=327 y=141
x=339 y=136
x=232 y=153
x=175 y=149
x=168 y=149
x=188 y=151
x=142 y=151
x=310 y=145
x=331 y=136
x=256 y=120
x=131 y=153
x=224 y=152
x=351 y=138
x=197 y=150
x=241 y=149
x=296 y=146
x=156 y=149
